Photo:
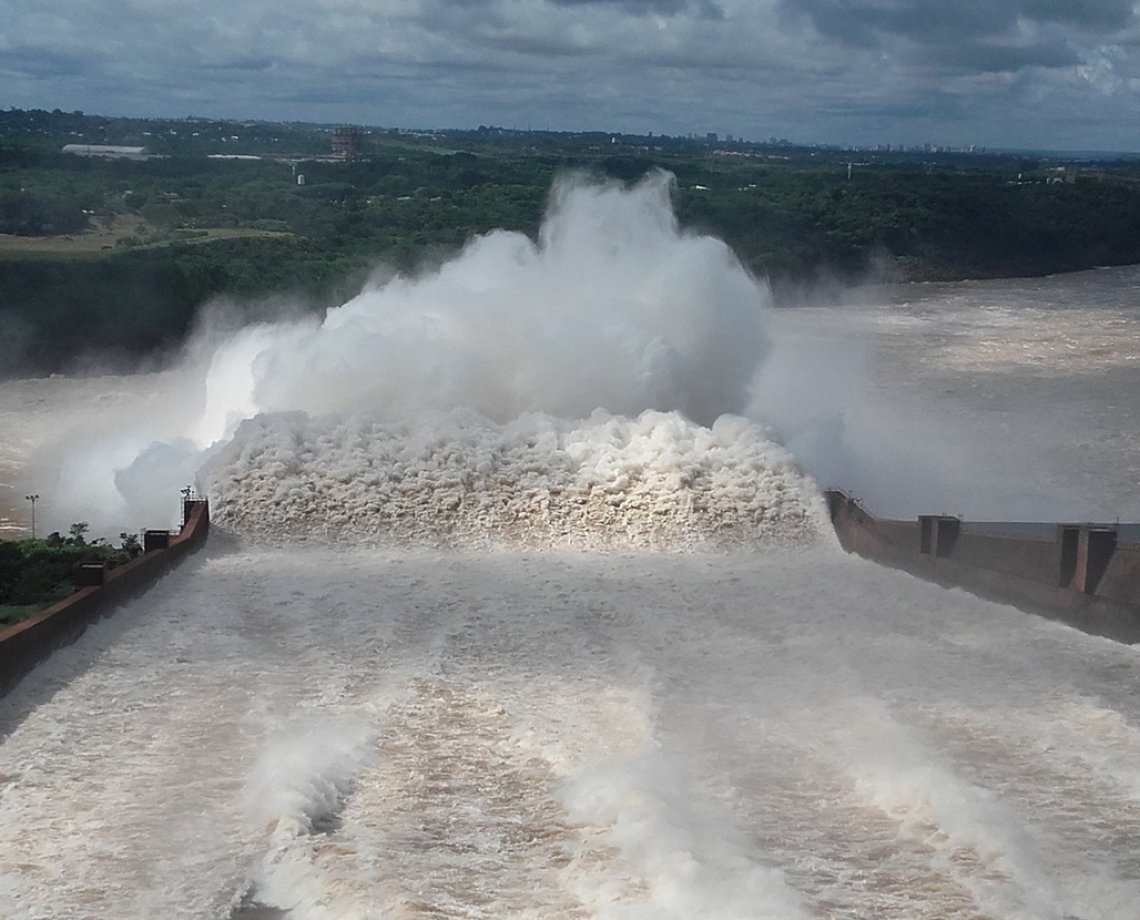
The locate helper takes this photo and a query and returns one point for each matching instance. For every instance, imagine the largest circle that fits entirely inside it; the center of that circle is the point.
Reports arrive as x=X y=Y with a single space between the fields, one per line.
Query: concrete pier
x=101 y=590
x=1086 y=574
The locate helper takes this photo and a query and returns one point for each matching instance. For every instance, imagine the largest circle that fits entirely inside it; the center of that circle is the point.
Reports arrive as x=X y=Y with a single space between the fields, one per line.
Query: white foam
x=456 y=479
x=297 y=788
x=978 y=838
x=302 y=775
x=693 y=861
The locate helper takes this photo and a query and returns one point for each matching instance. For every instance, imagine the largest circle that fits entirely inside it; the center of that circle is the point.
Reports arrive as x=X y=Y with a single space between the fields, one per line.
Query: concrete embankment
x=27 y=643
x=1087 y=575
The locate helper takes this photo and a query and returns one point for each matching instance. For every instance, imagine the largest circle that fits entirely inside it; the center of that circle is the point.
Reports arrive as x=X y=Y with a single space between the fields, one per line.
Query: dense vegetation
x=36 y=573
x=140 y=245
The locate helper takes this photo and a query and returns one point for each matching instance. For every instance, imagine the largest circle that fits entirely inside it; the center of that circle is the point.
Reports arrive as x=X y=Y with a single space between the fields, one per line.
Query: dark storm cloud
x=867 y=22
x=986 y=58
x=518 y=43
x=940 y=106
x=1085 y=14
x=250 y=65
x=978 y=28
x=703 y=8
x=38 y=61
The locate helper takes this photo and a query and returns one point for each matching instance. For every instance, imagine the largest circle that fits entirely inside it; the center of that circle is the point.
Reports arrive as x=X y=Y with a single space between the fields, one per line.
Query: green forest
x=35 y=573
x=116 y=256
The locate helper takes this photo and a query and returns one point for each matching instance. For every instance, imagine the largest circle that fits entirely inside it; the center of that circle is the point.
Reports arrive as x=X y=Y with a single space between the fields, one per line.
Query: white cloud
x=1100 y=69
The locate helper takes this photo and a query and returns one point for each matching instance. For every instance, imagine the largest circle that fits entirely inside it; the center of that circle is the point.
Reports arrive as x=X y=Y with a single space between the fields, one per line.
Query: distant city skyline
x=1009 y=74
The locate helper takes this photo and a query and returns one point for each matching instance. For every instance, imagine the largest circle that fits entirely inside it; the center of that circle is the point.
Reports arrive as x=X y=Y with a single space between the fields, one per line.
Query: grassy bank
x=37 y=573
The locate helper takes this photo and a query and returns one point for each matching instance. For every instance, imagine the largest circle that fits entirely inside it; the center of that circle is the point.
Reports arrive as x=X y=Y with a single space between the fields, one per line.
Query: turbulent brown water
x=375 y=733
x=1016 y=399
x=562 y=665
x=657 y=481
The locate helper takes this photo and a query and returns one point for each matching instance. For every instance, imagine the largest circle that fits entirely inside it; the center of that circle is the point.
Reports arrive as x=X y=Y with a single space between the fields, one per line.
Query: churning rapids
x=472 y=649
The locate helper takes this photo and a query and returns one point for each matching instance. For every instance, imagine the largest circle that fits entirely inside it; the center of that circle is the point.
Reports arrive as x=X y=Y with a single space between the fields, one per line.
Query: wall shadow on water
x=69 y=662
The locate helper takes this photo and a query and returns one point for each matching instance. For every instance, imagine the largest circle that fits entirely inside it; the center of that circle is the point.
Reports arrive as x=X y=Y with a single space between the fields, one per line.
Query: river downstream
x=786 y=735
x=771 y=730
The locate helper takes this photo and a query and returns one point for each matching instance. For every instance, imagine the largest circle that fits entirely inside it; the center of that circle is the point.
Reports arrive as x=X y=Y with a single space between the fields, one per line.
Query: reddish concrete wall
x=1122 y=578
x=27 y=643
x=1097 y=594
x=1033 y=559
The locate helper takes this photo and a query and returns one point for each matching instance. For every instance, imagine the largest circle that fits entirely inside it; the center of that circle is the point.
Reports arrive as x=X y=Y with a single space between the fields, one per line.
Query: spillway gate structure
x=101 y=591
x=1085 y=574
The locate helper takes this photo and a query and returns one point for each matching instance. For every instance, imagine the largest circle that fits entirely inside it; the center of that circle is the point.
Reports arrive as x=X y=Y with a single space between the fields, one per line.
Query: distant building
x=109 y=151
x=348 y=144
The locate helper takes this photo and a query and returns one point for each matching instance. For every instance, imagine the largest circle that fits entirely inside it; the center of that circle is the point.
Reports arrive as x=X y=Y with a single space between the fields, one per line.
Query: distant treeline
x=791 y=215
x=36 y=573
x=921 y=227
x=116 y=309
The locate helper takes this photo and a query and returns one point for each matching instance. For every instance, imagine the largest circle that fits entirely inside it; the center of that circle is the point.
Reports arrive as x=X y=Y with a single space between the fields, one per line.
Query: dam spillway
x=346 y=732
x=1086 y=574
x=515 y=727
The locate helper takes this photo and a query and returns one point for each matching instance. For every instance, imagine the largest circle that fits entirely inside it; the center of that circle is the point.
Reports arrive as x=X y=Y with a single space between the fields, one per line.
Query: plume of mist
x=612 y=307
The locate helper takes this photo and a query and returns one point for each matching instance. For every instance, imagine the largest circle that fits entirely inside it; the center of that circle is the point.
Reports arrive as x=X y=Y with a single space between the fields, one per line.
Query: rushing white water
x=378 y=727
x=364 y=733
x=613 y=307
x=458 y=480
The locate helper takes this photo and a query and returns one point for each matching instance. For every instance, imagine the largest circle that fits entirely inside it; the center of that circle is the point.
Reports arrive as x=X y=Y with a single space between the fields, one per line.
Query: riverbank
x=180 y=232
x=102 y=589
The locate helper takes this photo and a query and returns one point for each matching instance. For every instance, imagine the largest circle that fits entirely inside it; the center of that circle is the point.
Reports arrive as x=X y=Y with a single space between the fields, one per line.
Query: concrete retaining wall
x=27 y=643
x=1080 y=573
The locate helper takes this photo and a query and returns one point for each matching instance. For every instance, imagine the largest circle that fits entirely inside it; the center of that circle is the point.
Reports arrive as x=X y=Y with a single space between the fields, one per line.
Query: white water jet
x=613 y=307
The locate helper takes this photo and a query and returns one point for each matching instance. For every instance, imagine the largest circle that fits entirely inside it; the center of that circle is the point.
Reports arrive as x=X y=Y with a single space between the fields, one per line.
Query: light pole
x=33 y=499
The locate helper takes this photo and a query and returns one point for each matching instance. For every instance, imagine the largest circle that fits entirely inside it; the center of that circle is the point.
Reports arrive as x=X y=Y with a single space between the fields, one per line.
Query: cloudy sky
x=1060 y=74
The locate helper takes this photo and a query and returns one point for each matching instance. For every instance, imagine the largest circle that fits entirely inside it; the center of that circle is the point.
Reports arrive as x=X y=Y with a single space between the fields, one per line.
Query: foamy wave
x=455 y=479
